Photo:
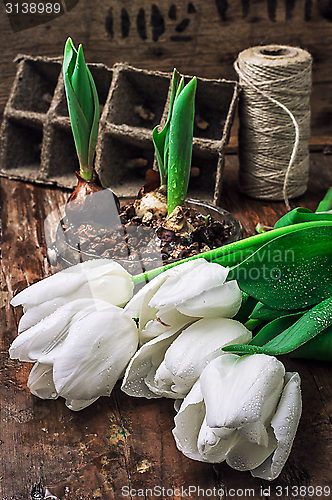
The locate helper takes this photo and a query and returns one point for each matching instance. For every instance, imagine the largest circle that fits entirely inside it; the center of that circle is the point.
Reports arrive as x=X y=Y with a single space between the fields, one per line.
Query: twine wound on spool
x=274 y=121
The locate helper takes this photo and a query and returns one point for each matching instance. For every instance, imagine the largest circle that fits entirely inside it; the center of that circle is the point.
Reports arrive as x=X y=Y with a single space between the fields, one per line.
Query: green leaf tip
x=273 y=342
x=326 y=203
x=83 y=106
x=180 y=145
x=161 y=139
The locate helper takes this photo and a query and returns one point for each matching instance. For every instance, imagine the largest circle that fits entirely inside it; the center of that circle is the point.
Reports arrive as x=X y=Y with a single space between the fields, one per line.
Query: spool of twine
x=274 y=114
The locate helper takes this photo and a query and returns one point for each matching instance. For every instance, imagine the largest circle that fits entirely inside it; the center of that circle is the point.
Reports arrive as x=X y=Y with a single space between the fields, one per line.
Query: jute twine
x=274 y=113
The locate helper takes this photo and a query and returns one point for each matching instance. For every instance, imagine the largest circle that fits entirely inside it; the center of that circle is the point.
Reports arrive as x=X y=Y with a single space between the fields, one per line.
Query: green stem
x=86 y=172
x=235 y=252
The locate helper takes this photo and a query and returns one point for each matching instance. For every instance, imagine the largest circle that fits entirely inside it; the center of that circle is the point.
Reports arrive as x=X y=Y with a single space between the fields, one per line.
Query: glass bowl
x=62 y=251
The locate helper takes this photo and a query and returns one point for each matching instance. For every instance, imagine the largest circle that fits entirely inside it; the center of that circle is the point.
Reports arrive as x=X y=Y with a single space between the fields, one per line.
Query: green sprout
x=83 y=106
x=173 y=144
x=326 y=203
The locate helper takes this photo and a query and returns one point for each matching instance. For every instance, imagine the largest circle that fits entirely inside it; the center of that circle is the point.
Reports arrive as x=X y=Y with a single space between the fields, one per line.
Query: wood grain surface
x=122 y=445
x=201 y=37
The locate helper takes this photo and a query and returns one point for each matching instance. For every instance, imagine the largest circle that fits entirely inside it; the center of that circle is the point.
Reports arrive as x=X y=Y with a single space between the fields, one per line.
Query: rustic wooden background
x=119 y=440
x=201 y=37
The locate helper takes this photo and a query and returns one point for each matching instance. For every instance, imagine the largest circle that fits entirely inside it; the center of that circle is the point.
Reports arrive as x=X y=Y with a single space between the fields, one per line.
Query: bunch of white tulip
x=82 y=328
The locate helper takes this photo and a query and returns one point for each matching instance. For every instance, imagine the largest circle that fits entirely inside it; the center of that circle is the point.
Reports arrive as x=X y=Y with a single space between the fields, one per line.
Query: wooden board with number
x=201 y=37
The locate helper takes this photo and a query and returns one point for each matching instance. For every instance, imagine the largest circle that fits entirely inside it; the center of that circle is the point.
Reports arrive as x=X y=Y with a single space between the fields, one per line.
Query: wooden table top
x=120 y=443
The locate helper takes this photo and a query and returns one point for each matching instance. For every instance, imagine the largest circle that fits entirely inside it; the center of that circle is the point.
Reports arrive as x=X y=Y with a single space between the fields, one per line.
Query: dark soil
x=148 y=243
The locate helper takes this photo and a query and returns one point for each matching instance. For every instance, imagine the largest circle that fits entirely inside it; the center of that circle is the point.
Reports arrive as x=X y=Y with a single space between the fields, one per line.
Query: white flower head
x=80 y=351
x=76 y=332
x=244 y=410
x=184 y=318
x=99 y=279
x=183 y=294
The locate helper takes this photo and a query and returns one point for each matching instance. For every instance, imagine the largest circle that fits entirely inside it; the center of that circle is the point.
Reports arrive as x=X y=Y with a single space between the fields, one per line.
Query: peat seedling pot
x=137 y=246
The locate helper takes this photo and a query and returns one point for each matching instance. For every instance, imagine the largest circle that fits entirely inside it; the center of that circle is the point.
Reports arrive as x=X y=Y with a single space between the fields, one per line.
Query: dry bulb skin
x=178 y=223
x=153 y=204
x=90 y=202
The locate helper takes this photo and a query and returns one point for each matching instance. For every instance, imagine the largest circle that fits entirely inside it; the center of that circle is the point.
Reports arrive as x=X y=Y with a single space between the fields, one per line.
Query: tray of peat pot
x=140 y=244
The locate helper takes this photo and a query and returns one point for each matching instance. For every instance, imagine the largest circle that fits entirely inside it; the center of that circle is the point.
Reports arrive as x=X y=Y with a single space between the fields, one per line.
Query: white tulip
x=182 y=326
x=242 y=409
x=80 y=351
x=183 y=294
x=169 y=364
x=99 y=279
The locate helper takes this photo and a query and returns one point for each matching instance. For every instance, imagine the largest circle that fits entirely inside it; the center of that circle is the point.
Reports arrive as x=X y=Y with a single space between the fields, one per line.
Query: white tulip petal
x=177 y=404
x=223 y=432
x=211 y=447
x=194 y=348
x=40 y=381
x=116 y=290
x=165 y=384
x=34 y=314
x=100 y=278
x=202 y=275
x=157 y=326
x=152 y=330
x=256 y=432
x=188 y=422
x=223 y=300
x=242 y=384
x=145 y=361
x=245 y=455
x=172 y=317
x=113 y=289
x=96 y=351
x=138 y=306
x=159 y=382
x=79 y=404
x=284 y=424
x=42 y=338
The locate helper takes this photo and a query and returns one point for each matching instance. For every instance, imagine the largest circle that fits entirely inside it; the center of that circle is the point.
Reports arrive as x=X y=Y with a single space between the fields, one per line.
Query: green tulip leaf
x=179 y=89
x=180 y=145
x=263 y=312
x=292 y=271
x=274 y=328
x=320 y=347
x=304 y=329
x=301 y=214
x=95 y=122
x=81 y=85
